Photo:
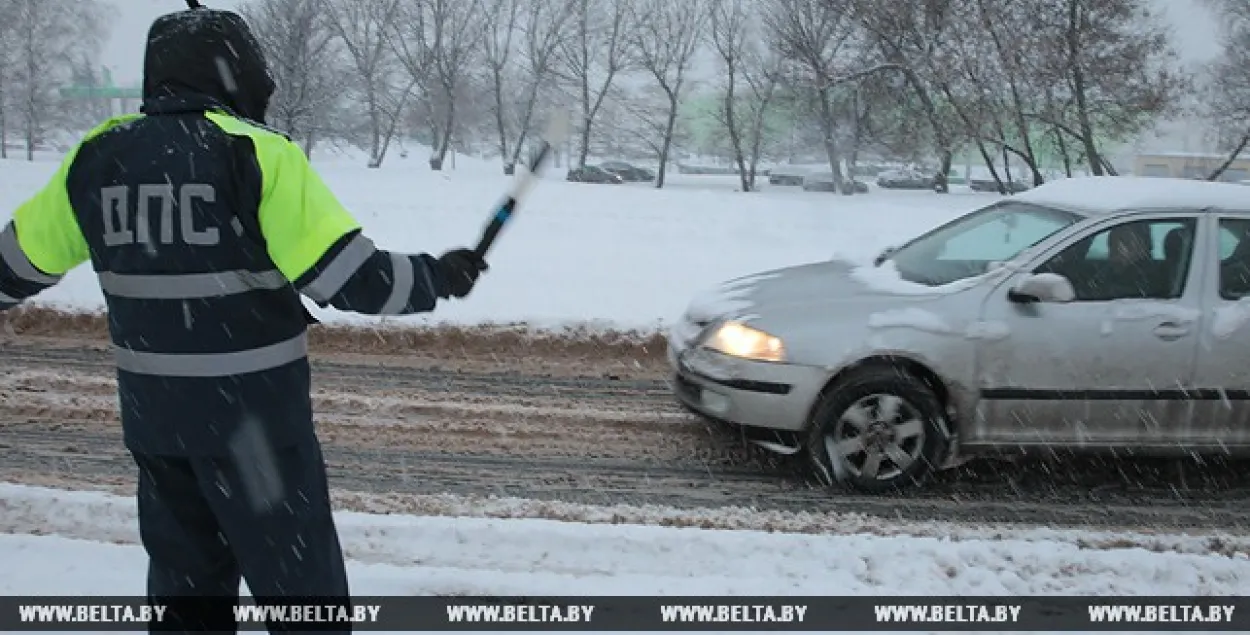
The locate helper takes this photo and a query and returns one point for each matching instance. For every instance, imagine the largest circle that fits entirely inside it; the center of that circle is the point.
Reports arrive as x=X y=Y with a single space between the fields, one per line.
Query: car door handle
x=1171 y=330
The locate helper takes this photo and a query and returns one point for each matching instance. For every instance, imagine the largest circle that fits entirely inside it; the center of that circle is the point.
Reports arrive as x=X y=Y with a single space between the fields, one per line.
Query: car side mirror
x=884 y=256
x=1042 y=287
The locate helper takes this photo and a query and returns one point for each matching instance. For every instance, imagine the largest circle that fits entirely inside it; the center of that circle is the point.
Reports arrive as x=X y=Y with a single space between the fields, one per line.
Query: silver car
x=1101 y=314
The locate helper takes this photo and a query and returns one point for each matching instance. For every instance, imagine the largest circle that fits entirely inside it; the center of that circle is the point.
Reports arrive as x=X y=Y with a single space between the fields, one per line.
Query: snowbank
x=628 y=256
x=92 y=552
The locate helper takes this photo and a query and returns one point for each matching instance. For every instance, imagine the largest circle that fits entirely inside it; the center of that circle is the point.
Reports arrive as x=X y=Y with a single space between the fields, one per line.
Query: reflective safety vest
x=197 y=224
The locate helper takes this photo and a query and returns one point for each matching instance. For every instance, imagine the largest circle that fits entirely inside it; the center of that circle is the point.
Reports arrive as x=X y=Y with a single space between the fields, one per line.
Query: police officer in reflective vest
x=204 y=227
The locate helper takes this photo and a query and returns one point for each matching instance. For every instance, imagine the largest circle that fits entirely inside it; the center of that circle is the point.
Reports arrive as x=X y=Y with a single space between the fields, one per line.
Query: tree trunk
x=449 y=122
x=1232 y=156
x=310 y=143
x=375 y=127
x=1062 y=147
x=828 y=130
x=757 y=137
x=1005 y=188
x=935 y=122
x=500 y=127
x=731 y=126
x=989 y=164
x=1084 y=122
x=941 y=180
x=583 y=150
x=667 y=144
x=1029 y=162
x=526 y=121
x=589 y=115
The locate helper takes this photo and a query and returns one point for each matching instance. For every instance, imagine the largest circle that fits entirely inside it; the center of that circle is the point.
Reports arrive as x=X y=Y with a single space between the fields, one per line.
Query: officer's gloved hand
x=461 y=269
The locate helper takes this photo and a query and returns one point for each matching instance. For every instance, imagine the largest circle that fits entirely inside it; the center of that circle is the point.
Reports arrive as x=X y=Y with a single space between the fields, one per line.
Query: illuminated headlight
x=739 y=340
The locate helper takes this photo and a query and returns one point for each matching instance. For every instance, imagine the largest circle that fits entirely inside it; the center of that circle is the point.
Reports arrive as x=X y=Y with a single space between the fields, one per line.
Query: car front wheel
x=878 y=430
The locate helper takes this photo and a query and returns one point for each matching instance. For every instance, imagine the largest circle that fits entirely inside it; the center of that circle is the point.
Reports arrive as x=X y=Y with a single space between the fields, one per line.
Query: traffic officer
x=204 y=227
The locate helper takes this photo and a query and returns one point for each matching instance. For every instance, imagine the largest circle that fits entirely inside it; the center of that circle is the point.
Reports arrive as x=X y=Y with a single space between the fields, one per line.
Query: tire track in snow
x=85 y=457
x=412 y=432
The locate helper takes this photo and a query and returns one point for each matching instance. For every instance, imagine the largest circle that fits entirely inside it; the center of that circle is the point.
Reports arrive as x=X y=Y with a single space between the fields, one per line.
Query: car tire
x=880 y=414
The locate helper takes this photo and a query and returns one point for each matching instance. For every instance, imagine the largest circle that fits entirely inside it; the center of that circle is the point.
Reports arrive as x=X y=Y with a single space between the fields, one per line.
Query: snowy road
x=400 y=433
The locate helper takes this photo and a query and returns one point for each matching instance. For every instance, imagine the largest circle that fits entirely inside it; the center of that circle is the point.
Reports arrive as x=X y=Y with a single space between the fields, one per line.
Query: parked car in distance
x=1088 y=314
x=905 y=180
x=823 y=182
x=627 y=172
x=989 y=185
x=593 y=174
x=786 y=176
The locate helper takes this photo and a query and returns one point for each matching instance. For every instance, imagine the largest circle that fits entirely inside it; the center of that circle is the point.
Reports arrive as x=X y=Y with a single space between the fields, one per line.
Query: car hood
x=793 y=292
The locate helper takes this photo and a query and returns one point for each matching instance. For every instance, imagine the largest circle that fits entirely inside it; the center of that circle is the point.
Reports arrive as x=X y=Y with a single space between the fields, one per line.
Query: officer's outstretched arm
x=320 y=248
x=42 y=242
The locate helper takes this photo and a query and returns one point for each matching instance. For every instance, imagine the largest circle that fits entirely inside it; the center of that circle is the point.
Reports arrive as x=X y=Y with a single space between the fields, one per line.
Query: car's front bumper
x=749 y=393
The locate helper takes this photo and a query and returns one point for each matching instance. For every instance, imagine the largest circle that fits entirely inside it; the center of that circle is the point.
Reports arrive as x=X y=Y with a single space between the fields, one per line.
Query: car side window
x=1234 y=258
x=1146 y=259
x=1000 y=240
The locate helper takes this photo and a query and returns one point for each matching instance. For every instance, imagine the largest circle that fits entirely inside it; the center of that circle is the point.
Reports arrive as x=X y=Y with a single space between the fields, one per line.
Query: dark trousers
x=206 y=522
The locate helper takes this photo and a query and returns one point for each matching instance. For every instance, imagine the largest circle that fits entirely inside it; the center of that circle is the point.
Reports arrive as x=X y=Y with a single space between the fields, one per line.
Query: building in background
x=1190 y=165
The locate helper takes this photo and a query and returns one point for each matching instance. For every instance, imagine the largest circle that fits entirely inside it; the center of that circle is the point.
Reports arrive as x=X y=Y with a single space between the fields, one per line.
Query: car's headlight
x=739 y=340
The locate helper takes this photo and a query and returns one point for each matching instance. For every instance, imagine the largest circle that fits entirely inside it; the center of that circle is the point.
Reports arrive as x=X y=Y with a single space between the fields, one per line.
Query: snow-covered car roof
x=1094 y=195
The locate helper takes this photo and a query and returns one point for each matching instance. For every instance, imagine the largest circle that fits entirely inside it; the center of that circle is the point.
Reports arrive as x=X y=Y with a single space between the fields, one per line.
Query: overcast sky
x=1193 y=24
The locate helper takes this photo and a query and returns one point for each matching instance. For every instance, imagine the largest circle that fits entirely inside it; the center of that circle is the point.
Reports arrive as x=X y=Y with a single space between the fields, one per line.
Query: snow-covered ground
x=68 y=543
x=628 y=255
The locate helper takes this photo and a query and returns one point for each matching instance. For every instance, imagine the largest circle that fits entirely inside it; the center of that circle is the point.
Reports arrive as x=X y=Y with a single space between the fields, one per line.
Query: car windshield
x=966 y=246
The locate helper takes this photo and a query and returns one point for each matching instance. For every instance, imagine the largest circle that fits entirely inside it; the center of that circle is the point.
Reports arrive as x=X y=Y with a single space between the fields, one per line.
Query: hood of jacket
x=207 y=57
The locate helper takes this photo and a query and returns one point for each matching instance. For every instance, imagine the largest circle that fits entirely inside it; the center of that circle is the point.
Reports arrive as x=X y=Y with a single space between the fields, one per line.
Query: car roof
x=1100 y=195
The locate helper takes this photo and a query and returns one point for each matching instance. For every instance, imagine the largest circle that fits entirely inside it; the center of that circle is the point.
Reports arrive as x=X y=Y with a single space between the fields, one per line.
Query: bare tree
x=48 y=35
x=594 y=54
x=305 y=58
x=1226 y=85
x=1114 y=67
x=1005 y=30
x=750 y=81
x=500 y=23
x=636 y=122
x=910 y=35
x=827 y=49
x=444 y=36
x=544 y=27
x=966 y=72
x=8 y=34
x=667 y=37
x=362 y=27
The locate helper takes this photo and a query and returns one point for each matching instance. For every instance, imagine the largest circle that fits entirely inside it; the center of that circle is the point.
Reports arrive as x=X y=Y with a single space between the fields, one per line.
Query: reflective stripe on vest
x=13 y=256
x=212 y=364
x=188 y=286
x=402 y=279
x=344 y=265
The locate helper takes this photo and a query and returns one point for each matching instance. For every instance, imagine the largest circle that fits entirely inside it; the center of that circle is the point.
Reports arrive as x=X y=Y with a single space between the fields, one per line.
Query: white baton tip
x=557 y=129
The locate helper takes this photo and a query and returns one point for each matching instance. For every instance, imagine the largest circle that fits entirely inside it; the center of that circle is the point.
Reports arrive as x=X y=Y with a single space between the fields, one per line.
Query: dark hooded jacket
x=210 y=55
x=204 y=227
